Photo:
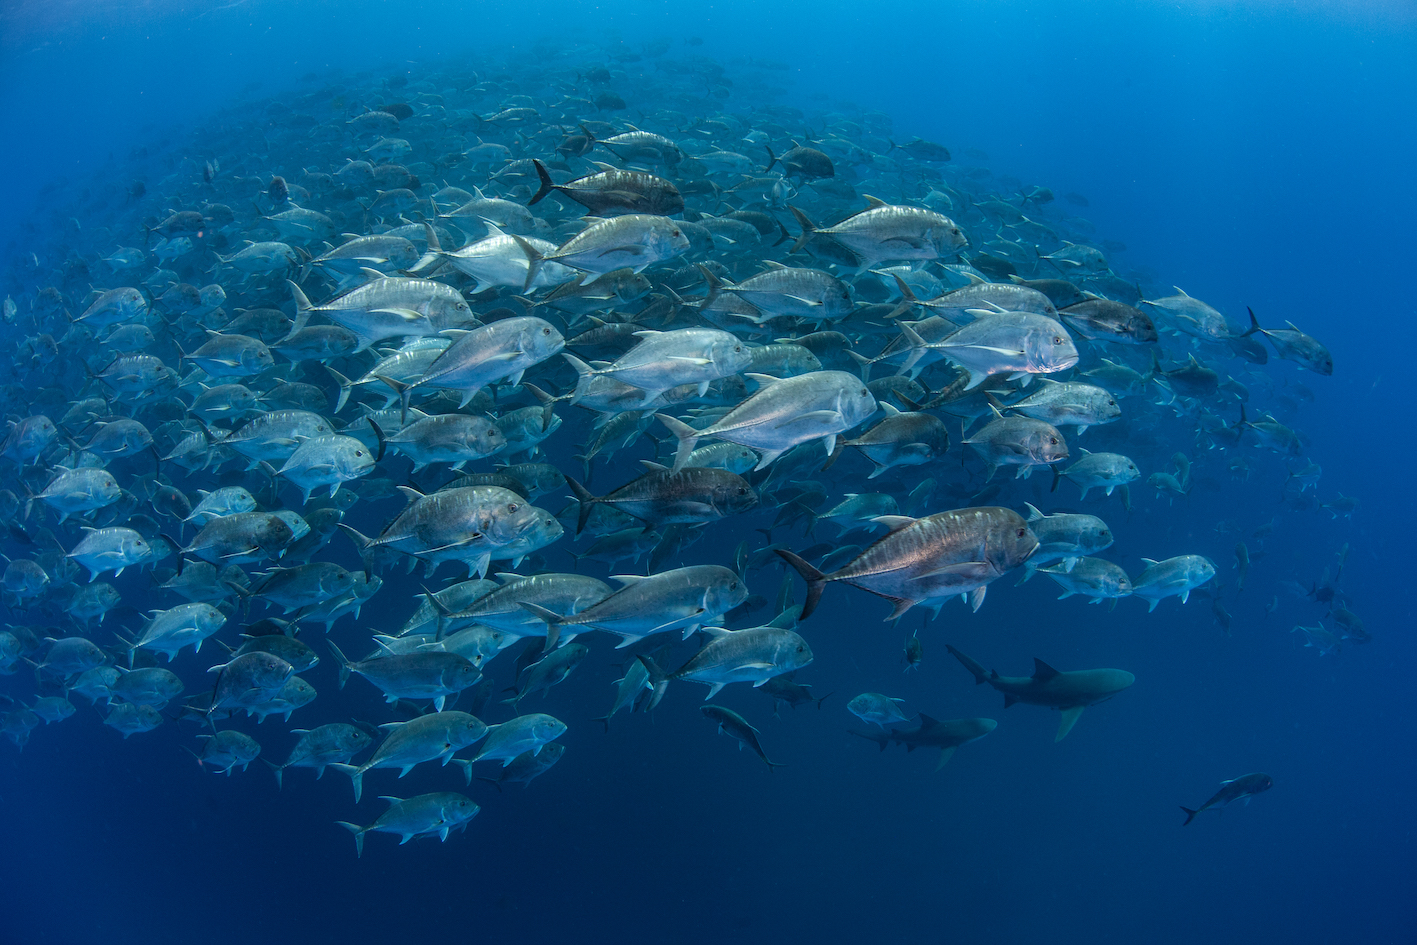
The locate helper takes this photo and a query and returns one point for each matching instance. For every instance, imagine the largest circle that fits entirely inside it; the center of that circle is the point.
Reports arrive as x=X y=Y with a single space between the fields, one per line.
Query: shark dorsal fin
x=927 y=722
x=1042 y=672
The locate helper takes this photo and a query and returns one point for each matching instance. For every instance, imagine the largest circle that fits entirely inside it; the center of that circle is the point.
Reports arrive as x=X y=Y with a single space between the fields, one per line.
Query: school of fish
x=429 y=318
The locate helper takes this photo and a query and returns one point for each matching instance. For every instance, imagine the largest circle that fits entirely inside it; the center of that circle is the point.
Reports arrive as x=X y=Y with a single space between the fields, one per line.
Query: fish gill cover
x=396 y=447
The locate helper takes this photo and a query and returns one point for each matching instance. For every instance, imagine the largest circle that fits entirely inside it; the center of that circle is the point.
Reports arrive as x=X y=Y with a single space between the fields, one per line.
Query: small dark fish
x=1244 y=787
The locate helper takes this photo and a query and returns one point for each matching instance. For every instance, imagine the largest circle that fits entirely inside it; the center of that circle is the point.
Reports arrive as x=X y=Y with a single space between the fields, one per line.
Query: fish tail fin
x=492 y=781
x=358 y=832
x=772 y=158
x=864 y=363
x=276 y=770
x=345 y=386
x=816 y=580
x=1190 y=816
x=715 y=286
x=1254 y=327
x=361 y=541
x=808 y=228
x=405 y=392
x=552 y=620
x=343 y=663
x=534 y=261
x=584 y=375
x=657 y=675
x=356 y=778
x=547 y=184
x=686 y=435
x=585 y=504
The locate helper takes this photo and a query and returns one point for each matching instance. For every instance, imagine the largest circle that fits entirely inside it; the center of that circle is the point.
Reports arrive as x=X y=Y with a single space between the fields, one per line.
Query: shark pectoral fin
x=1070 y=718
x=1008 y=699
x=945 y=755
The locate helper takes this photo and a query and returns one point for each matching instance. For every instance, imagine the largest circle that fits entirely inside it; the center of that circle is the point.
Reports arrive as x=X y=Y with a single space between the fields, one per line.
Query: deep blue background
x=1254 y=154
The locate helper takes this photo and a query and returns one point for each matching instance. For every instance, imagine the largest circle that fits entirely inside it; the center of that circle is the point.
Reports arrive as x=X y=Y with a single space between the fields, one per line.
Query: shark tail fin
x=1190 y=816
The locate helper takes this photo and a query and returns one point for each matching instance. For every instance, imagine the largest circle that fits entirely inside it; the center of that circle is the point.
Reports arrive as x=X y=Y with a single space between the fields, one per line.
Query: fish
x=1241 y=788
x=924 y=560
x=731 y=723
x=437 y=813
x=451 y=310
x=1070 y=692
x=946 y=736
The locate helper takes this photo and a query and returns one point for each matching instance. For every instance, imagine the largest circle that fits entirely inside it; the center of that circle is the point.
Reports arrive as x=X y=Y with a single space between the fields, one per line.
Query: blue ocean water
x=1253 y=154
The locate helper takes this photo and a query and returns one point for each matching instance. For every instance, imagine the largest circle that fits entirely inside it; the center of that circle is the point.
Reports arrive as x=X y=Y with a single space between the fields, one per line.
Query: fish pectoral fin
x=700 y=362
x=811 y=416
x=632 y=249
x=1070 y=718
x=961 y=569
x=406 y=314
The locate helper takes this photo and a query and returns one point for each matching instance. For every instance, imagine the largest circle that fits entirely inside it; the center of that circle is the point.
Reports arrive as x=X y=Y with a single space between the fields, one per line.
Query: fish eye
x=864 y=392
x=1053 y=440
x=1022 y=532
x=358 y=452
x=1057 y=340
x=546 y=331
x=512 y=507
x=733 y=585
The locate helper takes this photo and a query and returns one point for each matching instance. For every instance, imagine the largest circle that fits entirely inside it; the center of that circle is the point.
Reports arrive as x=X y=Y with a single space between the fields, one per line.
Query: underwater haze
x=999 y=411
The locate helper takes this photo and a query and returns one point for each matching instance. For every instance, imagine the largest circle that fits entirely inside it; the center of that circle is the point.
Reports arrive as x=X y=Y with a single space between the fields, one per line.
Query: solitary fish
x=1243 y=787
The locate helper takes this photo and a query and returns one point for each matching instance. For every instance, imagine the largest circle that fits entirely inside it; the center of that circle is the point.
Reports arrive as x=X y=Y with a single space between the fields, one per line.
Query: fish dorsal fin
x=1180 y=291
x=604 y=168
x=1042 y=672
x=390 y=726
x=627 y=579
x=927 y=722
x=772 y=264
x=492 y=228
x=717 y=632
x=1033 y=513
x=507 y=577
x=1151 y=561
x=873 y=203
x=890 y=411
x=652 y=466
x=411 y=494
x=894 y=522
x=763 y=380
